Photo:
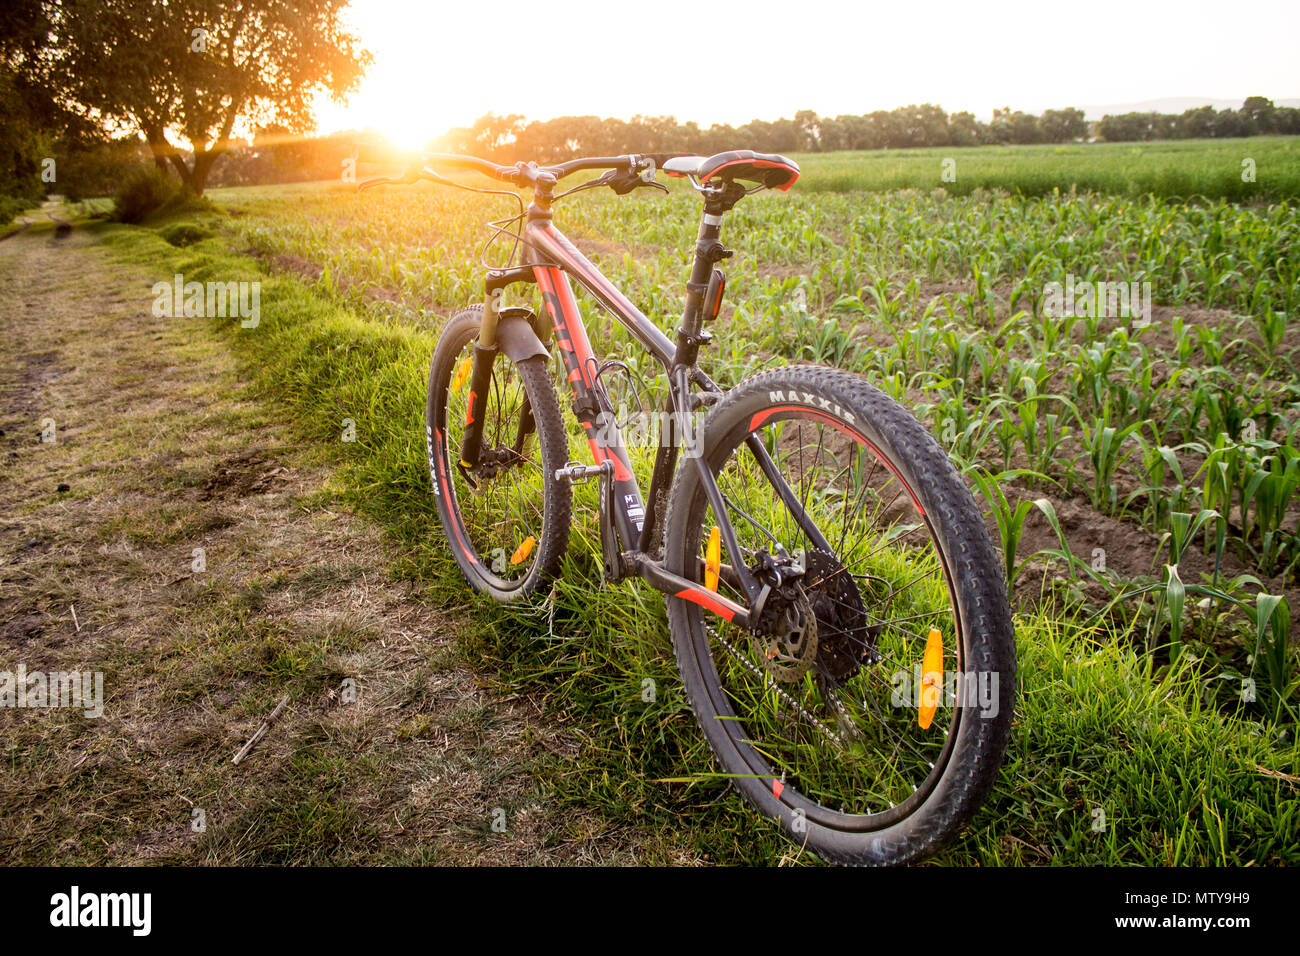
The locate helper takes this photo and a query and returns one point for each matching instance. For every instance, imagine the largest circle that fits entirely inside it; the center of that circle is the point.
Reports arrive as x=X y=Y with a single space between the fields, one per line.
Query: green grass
x=1173 y=169
x=1178 y=775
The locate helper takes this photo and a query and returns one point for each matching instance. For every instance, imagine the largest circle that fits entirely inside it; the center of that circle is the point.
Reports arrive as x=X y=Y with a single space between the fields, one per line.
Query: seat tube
x=708 y=250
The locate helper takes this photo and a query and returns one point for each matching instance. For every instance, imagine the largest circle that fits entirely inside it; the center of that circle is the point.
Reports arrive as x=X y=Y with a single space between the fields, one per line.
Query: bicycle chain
x=767 y=680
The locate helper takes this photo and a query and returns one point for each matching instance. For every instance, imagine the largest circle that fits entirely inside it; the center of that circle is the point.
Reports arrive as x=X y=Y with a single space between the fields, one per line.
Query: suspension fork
x=485 y=353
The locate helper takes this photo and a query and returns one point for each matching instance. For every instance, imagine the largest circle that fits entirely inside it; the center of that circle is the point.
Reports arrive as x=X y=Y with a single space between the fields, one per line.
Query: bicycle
x=834 y=600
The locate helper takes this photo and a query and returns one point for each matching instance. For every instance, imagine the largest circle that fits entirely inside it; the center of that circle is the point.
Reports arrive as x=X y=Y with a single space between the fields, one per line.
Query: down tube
x=590 y=404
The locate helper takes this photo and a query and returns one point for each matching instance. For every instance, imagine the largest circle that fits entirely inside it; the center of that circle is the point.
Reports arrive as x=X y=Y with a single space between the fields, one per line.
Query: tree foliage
x=186 y=72
x=1257 y=116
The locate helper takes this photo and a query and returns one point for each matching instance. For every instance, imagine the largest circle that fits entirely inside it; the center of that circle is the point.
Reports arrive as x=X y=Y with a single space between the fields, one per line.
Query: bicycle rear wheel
x=868 y=706
x=507 y=520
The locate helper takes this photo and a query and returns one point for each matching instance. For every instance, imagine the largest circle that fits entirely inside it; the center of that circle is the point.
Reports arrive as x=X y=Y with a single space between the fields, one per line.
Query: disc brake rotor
x=789 y=643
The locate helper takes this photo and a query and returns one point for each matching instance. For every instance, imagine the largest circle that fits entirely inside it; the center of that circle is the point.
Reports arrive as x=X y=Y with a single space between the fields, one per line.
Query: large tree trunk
x=195 y=175
x=203 y=163
x=162 y=150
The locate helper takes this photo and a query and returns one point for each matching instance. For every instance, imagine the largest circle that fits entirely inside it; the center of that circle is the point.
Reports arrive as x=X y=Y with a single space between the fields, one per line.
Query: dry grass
x=164 y=450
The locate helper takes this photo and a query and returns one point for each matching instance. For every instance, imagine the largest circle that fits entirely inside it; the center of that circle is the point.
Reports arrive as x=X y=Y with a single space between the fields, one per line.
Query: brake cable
x=500 y=225
x=601 y=180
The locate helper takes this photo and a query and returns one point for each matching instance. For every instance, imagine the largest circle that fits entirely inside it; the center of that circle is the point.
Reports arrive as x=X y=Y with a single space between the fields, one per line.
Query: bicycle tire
x=482 y=567
x=982 y=617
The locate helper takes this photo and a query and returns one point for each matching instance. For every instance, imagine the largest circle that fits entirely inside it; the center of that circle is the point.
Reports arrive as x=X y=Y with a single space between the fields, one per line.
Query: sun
x=370 y=108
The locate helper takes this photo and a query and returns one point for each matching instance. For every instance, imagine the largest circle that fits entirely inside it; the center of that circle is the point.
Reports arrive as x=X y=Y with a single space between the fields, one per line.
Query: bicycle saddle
x=768 y=169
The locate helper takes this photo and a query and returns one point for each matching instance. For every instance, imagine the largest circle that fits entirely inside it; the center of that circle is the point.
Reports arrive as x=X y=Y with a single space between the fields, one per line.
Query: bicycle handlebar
x=521 y=174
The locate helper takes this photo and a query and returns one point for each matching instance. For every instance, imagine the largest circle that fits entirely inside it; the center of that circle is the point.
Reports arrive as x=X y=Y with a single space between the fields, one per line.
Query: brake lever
x=623 y=182
x=604 y=179
x=408 y=177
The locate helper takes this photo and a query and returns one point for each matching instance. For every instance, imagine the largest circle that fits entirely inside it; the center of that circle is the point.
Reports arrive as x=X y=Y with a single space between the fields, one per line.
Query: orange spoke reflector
x=713 y=559
x=523 y=551
x=931 y=679
x=462 y=373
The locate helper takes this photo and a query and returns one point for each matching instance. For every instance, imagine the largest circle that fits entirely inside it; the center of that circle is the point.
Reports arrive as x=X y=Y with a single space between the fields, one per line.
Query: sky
x=439 y=65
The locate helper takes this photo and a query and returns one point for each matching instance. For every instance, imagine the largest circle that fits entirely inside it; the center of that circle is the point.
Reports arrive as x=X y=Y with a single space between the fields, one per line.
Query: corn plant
x=1271 y=327
x=1092 y=375
x=1010 y=518
x=829 y=344
x=1183 y=528
x=1272 y=639
x=965 y=354
x=1272 y=488
x=1167 y=490
x=1104 y=444
x=1260 y=479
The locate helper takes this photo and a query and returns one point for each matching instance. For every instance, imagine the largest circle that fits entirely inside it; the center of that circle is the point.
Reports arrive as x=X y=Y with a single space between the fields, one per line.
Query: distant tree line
x=1257 y=116
x=277 y=155
x=512 y=137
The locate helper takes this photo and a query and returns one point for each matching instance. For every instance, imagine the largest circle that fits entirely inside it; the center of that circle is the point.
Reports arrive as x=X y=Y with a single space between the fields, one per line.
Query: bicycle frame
x=550 y=261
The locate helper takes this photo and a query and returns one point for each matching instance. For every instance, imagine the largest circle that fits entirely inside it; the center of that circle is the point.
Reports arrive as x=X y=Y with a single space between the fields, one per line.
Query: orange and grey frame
x=551 y=261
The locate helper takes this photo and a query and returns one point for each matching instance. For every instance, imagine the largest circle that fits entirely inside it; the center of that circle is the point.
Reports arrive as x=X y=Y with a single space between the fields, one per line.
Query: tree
x=1230 y=123
x=1196 y=123
x=193 y=69
x=924 y=125
x=964 y=129
x=810 y=133
x=1014 y=127
x=1261 y=111
x=1286 y=120
x=1136 y=127
x=31 y=115
x=1062 y=126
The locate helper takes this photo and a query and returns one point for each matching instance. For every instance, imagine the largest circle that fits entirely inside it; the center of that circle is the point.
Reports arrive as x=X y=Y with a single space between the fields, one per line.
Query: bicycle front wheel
x=868 y=705
x=506 y=520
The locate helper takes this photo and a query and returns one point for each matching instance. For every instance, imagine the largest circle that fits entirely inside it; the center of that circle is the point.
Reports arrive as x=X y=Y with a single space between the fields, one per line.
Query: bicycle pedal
x=576 y=473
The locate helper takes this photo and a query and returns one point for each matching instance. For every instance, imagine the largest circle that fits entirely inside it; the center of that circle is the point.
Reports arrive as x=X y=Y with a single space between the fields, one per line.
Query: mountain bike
x=834 y=600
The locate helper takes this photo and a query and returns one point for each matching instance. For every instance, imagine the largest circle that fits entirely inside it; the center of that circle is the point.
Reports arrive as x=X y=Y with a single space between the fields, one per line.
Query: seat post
x=708 y=251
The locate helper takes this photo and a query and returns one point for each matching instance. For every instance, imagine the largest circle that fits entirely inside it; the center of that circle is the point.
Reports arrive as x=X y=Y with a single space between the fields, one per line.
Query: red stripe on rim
x=760 y=417
x=455 y=525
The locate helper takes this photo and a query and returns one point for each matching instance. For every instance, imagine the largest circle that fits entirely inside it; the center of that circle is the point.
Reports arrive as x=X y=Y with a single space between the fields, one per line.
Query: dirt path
x=128 y=443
